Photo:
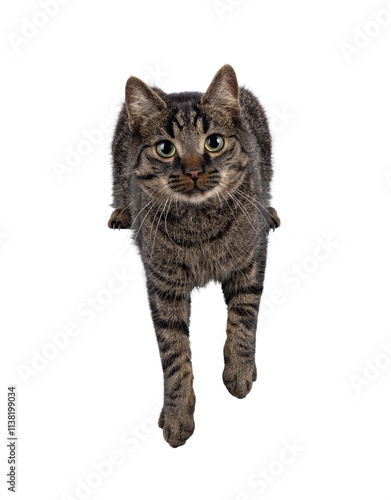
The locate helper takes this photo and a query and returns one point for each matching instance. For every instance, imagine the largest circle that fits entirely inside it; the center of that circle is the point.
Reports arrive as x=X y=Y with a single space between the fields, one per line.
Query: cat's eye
x=214 y=143
x=165 y=149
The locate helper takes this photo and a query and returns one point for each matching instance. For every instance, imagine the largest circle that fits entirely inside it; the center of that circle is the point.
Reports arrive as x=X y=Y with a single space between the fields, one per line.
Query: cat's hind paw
x=273 y=219
x=177 y=427
x=120 y=219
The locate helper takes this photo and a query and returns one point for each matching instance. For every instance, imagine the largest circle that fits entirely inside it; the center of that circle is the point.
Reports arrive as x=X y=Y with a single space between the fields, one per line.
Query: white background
x=317 y=333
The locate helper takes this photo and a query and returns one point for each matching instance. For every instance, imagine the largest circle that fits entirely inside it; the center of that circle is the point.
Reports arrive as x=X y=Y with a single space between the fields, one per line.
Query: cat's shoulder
x=248 y=99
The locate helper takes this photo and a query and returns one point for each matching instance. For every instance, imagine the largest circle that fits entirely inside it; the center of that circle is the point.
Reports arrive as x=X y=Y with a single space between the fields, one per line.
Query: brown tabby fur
x=193 y=230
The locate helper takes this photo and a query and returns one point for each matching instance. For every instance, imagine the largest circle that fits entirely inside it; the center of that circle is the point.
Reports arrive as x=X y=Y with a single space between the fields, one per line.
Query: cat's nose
x=193 y=166
x=194 y=172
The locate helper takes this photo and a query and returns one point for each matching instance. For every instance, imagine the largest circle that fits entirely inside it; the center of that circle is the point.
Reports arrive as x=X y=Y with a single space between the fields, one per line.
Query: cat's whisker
x=234 y=198
x=265 y=209
x=248 y=199
x=241 y=207
x=218 y=196
x=165 y=221
x=126 y=238
x=123 y=210
x=259 y=203
x=229 y=206
x=142 y=222
x=153 y=220
x=145 y=206
x=157 y=210
x=176 y=203
x=157 y=227
x=244 y=211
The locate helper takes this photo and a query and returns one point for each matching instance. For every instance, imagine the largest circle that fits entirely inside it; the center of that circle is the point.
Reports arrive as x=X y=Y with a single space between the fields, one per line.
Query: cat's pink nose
x=194 y=172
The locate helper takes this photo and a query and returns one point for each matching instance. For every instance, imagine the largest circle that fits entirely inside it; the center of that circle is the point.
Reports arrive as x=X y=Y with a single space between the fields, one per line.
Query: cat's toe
x=177 y=428
x=238 y=379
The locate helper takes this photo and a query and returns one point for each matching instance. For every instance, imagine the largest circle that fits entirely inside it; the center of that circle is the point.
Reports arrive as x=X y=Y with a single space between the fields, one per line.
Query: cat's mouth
x=190 y=187
x=197 y=189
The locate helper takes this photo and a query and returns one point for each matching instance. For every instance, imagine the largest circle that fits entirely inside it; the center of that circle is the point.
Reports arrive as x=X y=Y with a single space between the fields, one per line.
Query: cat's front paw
x=238 y=377
x=177 y=427
x=119 y=219
x=273 y=218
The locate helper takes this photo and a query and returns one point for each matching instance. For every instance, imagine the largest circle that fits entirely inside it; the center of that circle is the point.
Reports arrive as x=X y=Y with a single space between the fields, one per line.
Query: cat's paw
x=119 y=219
x=239 y=377
x=177 y=427
x=273 y=219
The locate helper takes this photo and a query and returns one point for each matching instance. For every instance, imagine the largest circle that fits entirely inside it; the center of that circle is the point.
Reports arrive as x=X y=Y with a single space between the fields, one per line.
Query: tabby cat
x=192 y=176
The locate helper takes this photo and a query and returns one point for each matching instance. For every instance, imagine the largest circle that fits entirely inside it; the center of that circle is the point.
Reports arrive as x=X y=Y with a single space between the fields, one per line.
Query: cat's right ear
x=142 y=103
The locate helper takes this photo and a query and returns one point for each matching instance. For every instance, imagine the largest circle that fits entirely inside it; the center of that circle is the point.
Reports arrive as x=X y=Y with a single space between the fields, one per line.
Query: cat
x=191 y=177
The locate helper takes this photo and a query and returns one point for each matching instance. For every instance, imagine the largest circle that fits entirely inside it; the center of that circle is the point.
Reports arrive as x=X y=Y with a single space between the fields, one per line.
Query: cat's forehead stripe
x=186 y=120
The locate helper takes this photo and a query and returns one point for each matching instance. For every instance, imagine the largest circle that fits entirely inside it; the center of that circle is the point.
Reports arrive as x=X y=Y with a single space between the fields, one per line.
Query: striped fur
x=191 y=231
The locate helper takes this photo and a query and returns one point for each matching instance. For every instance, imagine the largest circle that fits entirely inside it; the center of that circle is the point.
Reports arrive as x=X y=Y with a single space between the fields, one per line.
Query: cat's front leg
x=242 y=292
x=171 y=314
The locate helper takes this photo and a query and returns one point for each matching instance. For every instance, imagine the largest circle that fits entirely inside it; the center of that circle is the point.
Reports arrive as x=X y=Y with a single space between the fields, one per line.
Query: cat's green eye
x=214 y=143
x=165 y=149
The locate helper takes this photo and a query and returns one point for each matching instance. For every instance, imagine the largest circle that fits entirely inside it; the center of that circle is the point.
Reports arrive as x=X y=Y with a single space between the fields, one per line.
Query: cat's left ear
x=223 y=92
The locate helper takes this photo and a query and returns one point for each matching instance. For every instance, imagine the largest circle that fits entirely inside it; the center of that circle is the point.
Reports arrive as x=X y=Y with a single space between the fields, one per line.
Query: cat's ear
x=223 y=92
x=142 y=103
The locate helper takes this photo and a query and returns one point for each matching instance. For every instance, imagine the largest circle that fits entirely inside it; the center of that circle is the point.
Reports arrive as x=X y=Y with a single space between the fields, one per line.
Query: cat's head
x=190 y=146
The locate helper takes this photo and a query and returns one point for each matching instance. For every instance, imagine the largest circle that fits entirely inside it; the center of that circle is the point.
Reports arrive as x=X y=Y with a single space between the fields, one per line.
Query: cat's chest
x=213 y=254
x=208 y=245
